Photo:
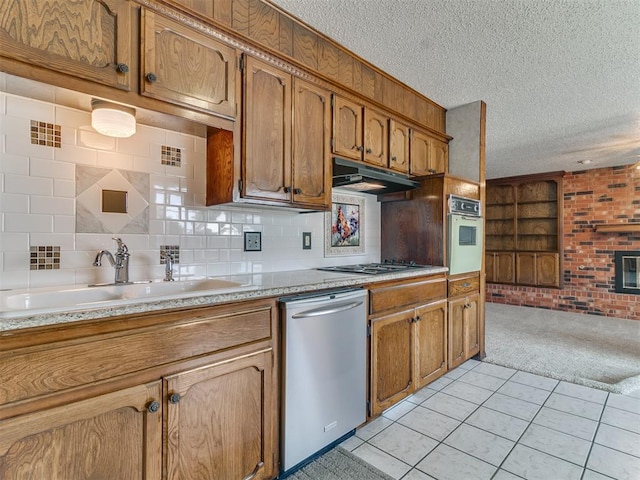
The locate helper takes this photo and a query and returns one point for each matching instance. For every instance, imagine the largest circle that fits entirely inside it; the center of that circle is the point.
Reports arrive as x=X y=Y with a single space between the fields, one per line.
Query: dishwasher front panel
x=324 y=371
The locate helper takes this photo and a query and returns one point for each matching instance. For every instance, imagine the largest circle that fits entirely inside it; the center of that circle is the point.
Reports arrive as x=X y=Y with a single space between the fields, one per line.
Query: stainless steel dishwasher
x=324 y=371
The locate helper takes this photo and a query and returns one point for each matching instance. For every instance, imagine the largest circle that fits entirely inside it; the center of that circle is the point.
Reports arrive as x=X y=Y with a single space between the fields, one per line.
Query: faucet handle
x=122 y=248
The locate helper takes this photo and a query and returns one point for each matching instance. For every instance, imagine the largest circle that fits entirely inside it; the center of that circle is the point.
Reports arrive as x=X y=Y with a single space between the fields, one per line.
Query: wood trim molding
x=249 y=46
x=618 y=228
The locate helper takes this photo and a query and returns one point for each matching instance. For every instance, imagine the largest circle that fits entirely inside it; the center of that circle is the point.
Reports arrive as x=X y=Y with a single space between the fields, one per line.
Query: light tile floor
x=482 y=421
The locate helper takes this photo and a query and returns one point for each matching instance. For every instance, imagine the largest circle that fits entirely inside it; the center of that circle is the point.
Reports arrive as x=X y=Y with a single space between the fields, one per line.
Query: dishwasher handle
x=327 y=310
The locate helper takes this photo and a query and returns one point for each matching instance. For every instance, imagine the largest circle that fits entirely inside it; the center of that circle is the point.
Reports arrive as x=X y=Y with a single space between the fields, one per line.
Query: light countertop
x=18 y=315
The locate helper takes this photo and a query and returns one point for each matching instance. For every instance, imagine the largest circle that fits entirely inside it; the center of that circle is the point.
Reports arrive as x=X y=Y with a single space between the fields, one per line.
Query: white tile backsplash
x=38 y=205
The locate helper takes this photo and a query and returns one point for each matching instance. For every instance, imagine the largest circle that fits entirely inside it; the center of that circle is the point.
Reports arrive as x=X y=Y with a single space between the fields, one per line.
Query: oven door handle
x=328 y=310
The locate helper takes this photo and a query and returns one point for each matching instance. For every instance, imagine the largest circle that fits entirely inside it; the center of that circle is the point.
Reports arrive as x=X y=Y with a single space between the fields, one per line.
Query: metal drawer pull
x=174 y=398
x=153 y=407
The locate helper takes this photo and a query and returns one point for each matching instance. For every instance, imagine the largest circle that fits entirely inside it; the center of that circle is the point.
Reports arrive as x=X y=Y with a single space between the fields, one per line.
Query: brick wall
x=591 y=197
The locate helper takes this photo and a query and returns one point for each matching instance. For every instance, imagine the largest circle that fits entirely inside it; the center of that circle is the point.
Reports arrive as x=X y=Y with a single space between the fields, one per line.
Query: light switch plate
x=306 y=240
x=252 y=241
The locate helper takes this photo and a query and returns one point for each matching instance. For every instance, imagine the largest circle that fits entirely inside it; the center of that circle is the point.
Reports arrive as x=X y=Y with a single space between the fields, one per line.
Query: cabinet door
x=420 y=151
x=398 y=147
x=504 y=267
x=526 y=268
x=456 y=346
x=472 y=325
x=311 y=148
x=548 y=269
x=220 y=420
x=376 y=138
x=438 y=157
x=489 y=267
x=347 y=128
x=431 y=343
x=116 y=435
x=391 y=359
x=90 y=39
x=185 y=67
x=266 y=162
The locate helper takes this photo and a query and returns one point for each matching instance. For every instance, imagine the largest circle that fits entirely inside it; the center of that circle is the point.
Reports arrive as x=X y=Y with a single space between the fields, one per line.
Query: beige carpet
x=599 y=352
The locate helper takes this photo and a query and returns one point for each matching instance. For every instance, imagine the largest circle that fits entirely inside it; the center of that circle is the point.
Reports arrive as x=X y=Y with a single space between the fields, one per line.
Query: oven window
x=467 y=235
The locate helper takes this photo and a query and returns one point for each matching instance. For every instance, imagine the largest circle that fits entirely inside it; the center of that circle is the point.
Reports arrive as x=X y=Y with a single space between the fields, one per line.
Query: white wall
x=38 y=206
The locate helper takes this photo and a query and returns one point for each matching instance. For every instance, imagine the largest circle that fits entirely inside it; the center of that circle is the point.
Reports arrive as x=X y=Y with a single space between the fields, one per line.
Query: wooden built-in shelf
x=619 y=228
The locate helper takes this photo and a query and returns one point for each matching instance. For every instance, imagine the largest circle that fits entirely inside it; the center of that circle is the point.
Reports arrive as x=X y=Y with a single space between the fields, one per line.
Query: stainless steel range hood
x=359 y=177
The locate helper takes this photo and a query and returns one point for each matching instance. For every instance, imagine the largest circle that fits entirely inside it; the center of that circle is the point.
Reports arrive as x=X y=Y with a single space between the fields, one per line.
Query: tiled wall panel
x=38 y=206
x=591 y=198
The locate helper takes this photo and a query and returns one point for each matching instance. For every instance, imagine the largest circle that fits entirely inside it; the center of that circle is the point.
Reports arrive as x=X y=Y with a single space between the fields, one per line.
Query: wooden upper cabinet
x=376 y=138
x=398 y=146
x=428 y=154
x=220 y=420
x=439 y=155
x=89 y=39
x=347 y=128
x=267 y=132
x=182 y=66
x=419 y=161
x=311 y=144
x=115 y=435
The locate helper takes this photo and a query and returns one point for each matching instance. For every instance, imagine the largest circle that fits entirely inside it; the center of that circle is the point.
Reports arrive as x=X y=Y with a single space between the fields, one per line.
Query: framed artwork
x=344 y=227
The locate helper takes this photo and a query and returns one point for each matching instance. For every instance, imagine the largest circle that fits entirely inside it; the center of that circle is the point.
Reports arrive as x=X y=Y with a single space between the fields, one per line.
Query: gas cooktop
x=374 y=268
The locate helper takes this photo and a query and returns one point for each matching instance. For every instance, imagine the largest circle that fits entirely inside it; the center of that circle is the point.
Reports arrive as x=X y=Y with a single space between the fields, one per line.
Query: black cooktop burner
x=373 y=268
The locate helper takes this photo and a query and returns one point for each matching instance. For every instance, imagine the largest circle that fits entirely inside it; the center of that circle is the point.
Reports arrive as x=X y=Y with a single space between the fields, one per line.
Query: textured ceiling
x=561 y=78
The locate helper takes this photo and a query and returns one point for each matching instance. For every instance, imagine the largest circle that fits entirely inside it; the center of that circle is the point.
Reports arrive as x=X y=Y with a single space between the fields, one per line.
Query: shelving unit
x=524 y=230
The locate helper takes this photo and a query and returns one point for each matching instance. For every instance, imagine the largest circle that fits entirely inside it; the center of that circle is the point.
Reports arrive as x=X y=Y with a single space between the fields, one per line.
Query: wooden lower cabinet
x=219 y=420
x=171 y=395
x=500 y=267
x=538 y=269
x=392 y=345
x=408 y=347
x=464 y=331
x=115 y=435
x=430 y=343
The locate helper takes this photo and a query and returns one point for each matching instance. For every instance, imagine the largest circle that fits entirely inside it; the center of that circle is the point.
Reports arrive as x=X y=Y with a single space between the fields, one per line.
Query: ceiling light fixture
x=112 y=119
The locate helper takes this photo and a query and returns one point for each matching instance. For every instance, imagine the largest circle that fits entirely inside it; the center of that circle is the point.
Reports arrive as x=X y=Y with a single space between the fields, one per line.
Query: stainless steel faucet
x=168 y=265
x=119 y=261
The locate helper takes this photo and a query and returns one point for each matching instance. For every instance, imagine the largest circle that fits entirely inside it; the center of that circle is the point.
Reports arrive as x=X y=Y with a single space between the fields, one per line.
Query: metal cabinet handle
x=369 y=150
x=297 y=191
x=151 y=77
x=287 y=189
x=360 y=148
x=122 y=68
x=174 y=398
x=153 y=407
x=431 y=170
x=466 y=284
x=394 y=158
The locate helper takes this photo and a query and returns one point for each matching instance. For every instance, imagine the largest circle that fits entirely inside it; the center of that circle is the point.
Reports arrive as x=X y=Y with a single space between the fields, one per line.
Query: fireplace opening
x=627 y=265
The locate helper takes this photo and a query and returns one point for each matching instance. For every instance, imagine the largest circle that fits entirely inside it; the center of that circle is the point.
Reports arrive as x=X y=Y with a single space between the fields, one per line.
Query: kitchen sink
x=74 y=298
x=160 y=289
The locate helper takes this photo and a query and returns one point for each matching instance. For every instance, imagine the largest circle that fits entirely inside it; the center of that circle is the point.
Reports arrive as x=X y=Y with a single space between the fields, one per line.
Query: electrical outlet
x=252 y=241
x=306 y=240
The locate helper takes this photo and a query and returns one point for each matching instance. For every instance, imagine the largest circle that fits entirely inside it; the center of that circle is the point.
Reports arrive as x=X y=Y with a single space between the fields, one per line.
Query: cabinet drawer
x=58 y=366
x=464 y=286
x=398 y=296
